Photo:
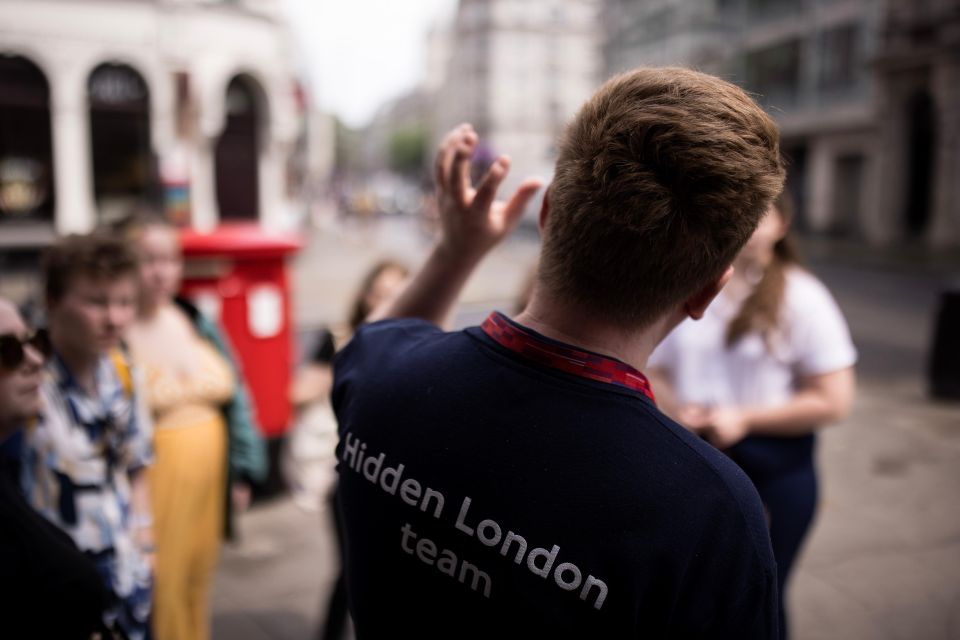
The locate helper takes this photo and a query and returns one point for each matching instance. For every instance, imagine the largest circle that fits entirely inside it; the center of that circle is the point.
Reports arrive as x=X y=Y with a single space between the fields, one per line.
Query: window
x=124 y=169
x=237 y=153
x=847 y=195
x=840 y=60
x=773 y=8
x=26 y=157
x=774 y=72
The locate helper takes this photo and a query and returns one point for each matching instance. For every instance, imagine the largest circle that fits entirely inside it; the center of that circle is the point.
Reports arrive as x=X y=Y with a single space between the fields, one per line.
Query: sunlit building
x=865 y=92
x=518 y=71
x=191 y=104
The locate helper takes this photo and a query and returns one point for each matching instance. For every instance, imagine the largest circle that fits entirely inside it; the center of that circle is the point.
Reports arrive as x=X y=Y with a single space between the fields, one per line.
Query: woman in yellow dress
x=204 y=438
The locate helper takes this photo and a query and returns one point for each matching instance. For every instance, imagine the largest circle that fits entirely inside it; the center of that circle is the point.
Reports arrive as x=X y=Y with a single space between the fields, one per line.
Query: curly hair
x=97 y=255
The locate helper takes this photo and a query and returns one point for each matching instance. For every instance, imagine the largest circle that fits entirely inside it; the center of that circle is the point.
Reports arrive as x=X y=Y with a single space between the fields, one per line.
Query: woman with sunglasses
x=48 y=589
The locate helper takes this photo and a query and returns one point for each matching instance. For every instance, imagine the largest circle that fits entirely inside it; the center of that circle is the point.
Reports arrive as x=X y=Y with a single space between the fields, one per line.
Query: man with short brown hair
x=516 y=479
x=85 y=461
x=660 y=180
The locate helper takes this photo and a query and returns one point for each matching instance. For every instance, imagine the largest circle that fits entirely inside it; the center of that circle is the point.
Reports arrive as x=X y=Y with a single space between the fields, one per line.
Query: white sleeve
x=819 y=333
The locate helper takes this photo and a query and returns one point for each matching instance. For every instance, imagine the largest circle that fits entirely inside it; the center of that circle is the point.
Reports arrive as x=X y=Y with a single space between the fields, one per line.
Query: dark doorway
x=847 y=195
x=238 y=152
x=124 y=169
x=26 y=151
x=921 y=130
x=796 y=159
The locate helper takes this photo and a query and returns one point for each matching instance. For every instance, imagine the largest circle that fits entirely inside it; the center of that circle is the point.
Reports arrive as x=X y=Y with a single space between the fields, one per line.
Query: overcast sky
x=360 y=53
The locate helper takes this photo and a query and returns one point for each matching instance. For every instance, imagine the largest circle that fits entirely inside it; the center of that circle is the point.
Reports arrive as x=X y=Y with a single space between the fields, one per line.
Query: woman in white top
x=769 y=364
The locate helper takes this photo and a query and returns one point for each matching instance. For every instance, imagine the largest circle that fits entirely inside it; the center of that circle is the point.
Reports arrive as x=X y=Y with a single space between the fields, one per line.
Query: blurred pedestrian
x=208 y=449
x=309 y=455
x=48 y=589
x=769 y=364
x=382 y=281
x=516 y=478
x=85 y=461
x=380 y=284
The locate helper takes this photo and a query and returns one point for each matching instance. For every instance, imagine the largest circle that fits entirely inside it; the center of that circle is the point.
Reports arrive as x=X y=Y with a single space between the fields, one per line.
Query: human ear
x=696 y=305
x=544 y=210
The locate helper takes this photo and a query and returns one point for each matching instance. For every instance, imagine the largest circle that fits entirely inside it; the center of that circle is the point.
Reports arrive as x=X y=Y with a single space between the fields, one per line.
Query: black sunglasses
x=12 y=352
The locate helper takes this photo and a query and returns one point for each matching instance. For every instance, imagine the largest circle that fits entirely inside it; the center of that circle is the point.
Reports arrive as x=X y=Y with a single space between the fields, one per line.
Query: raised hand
x=472 y=220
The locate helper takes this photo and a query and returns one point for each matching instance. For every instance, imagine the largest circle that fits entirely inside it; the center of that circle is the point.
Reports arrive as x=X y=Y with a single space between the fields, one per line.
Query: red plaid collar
x=534 y=347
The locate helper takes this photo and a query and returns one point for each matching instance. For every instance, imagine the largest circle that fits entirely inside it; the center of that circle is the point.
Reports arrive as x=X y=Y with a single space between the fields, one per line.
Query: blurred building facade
x=191 y=104
x=518 y=71
x=866 y=92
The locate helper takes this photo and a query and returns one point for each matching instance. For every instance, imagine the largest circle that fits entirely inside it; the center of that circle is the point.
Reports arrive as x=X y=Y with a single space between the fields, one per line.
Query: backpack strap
x=122 y=367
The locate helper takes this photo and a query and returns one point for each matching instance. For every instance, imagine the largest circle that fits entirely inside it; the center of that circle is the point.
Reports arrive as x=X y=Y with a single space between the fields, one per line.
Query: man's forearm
x=433 y=291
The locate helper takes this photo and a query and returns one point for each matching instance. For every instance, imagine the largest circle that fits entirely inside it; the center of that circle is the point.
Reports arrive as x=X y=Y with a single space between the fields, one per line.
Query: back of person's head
x=157 y=244
x=661 y=178
x=98 y=256
x=138 y=219
x=379 y=283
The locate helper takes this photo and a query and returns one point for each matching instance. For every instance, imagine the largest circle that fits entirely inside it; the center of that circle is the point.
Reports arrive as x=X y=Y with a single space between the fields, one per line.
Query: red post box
x=237 y=274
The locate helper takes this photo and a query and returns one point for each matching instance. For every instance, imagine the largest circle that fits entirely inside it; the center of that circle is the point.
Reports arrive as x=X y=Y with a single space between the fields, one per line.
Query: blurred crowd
x=129 y=440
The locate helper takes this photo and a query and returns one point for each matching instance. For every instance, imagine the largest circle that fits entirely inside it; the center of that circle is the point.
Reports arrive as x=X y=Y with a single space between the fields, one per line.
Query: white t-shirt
x=813 y=339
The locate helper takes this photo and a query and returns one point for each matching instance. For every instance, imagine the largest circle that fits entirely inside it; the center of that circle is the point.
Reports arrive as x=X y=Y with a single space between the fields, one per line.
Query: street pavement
x=883 y=560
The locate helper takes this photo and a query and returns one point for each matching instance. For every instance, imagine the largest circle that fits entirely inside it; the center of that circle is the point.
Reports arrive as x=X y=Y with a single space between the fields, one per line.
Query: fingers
x=453 y=182
x=517 y=203
x=452 y=169
x=445 y=156
x=459 y=176
x=487 y=189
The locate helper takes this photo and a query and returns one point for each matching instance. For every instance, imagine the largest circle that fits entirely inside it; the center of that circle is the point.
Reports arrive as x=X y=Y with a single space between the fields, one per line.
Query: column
x=274 y=211
x=891 y=165
x=72 y=156
x=208 y=85
x=203 y=192
x=819 y=185
x=163 y=134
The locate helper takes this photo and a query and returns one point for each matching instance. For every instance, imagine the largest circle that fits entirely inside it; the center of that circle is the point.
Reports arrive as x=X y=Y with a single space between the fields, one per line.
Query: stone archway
x=124 y=167
x=238 y=150
x=26 y=150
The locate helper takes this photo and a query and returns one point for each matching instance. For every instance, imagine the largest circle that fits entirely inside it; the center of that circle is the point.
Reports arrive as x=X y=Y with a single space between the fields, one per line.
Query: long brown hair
x=359 y=309
x=761 y=310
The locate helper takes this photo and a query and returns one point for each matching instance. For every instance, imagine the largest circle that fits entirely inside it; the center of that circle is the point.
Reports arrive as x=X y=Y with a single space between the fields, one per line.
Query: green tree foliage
x=408 y=150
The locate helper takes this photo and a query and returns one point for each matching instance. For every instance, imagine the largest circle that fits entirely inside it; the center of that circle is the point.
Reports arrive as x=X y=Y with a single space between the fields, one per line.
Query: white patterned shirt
x=78 y=460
